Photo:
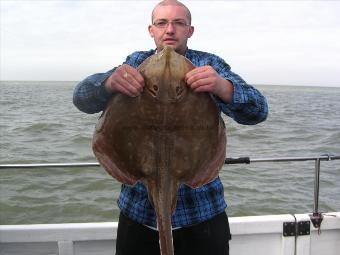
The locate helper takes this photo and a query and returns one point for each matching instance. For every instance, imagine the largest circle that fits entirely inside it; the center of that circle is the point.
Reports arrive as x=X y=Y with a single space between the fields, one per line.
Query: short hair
x=172 y=2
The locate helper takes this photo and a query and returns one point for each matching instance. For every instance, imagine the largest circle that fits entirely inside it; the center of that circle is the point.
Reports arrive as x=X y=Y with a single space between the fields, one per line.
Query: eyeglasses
x=163 y=23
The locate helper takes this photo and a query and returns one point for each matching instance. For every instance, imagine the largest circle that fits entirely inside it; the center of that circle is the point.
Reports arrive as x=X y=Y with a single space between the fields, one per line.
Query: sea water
x=39 y=124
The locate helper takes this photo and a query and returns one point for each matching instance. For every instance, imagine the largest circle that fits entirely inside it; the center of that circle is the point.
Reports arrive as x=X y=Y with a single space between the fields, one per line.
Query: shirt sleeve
x=248 y=105
x=90 y=95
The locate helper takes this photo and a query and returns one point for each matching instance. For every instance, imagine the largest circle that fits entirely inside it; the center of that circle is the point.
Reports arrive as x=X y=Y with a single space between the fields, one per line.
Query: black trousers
x=206 y=238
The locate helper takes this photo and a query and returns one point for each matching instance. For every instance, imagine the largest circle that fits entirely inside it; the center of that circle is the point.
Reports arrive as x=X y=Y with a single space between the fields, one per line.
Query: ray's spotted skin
x=166 y=136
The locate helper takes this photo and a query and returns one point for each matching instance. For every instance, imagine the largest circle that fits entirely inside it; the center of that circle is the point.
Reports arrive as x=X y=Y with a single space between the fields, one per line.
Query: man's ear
x=191 y=31
x=150 y=28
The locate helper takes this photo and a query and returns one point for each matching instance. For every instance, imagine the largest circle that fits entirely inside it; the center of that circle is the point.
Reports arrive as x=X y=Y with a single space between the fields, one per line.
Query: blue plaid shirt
x=248 y=107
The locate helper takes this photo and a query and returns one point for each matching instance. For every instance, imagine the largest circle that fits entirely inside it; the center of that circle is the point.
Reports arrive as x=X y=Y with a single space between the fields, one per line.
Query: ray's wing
x=198 y=140
x=103 y=147
x=212 y=163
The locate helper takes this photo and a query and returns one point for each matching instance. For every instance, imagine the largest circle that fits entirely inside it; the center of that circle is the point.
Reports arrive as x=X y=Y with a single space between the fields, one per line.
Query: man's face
x=171 y=27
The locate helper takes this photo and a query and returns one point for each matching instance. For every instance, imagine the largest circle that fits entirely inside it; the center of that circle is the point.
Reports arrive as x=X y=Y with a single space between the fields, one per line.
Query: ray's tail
x=163 y=196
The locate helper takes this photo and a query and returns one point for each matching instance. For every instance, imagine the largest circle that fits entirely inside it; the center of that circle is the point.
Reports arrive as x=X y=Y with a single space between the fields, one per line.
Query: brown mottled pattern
x=166 y=136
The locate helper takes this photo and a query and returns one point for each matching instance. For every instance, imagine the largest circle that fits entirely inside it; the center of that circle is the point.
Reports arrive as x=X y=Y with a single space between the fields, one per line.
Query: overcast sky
x=266 y=42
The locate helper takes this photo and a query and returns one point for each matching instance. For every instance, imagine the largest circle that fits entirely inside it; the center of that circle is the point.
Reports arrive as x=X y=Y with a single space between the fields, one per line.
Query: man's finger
x=135 y=74
x=196 y=77
x=124 y=91
x=131 y=80
x=125 y=86
x=192 y=73
x=198 y=73
x=204 y=88
x=200 y=82
x=197 y=70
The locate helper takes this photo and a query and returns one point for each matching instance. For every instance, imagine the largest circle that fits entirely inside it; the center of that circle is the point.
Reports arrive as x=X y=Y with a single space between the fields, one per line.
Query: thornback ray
x=165 y=137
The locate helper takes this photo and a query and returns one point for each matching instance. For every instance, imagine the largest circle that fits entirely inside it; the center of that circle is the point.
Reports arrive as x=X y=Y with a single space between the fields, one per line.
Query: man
x=200 y=223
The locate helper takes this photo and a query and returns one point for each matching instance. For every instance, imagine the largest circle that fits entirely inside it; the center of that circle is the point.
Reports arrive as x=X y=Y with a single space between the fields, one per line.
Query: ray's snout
x=164 y=76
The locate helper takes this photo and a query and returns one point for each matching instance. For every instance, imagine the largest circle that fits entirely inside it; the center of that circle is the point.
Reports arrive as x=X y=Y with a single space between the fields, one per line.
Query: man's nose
x=170 y=29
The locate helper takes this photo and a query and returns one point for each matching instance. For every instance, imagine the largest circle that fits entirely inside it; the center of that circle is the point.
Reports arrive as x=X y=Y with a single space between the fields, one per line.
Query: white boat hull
x=262 y=235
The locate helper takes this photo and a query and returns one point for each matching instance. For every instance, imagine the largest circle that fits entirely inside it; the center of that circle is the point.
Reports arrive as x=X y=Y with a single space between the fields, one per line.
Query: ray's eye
x=153 y=89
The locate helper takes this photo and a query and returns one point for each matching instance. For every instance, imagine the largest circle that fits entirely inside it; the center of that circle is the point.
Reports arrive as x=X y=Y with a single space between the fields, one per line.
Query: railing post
x=316 y=217
x=316 y=186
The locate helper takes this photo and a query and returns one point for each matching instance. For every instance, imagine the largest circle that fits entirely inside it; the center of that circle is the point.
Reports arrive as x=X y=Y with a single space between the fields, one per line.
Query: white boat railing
x=228 y=161
x=316 y=216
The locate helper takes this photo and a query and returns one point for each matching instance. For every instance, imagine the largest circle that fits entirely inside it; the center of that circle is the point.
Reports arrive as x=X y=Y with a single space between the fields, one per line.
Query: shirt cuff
x=100 y=83
x=236 y=101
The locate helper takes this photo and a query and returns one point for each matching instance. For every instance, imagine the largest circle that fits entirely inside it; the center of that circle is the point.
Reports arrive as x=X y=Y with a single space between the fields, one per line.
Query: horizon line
x=249 y=83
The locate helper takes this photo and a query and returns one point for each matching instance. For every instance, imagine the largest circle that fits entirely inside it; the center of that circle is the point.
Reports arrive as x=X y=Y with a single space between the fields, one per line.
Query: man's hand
x=125 y=79
x=206 y=79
